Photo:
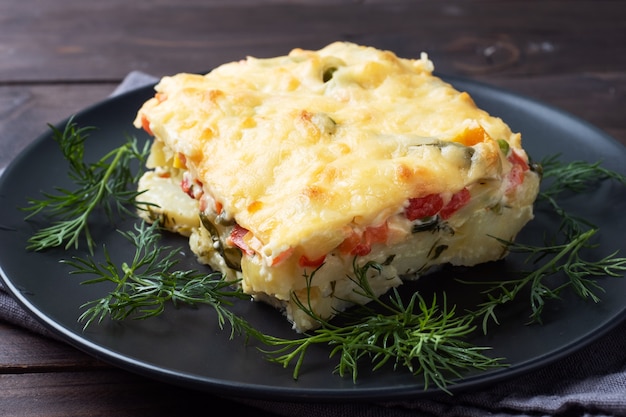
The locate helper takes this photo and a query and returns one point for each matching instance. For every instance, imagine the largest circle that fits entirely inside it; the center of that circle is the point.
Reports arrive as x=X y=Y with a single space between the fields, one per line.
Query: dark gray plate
x=185 y=346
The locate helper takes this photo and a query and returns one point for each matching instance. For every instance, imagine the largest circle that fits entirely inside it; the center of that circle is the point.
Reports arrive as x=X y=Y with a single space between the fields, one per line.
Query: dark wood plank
x=68 y=382
x=102 y=41
x=26 y=352
x=106 y=393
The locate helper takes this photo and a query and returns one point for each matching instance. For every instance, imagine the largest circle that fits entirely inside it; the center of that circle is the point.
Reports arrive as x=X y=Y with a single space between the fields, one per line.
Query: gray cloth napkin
x=590 y=382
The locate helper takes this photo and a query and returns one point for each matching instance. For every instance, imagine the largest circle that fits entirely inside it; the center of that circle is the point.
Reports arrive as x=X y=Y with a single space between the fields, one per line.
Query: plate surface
x=185 y=346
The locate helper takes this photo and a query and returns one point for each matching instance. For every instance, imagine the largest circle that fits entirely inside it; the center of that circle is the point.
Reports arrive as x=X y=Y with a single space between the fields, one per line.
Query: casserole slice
x=288 y=172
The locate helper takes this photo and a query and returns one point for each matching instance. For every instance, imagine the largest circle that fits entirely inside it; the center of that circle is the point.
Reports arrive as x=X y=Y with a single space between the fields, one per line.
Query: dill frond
x=108 y=184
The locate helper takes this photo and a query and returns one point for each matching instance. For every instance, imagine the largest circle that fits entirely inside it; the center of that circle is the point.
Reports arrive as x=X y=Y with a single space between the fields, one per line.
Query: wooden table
x=57 y=57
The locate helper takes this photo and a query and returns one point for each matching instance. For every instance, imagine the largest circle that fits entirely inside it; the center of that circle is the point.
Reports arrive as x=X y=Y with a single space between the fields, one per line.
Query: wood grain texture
x=40 y=376
x=102 y=41
x=24 y=352
x=106 y=393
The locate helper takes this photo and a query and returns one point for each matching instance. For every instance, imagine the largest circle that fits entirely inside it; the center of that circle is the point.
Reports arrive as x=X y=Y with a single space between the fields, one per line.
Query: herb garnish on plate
x=426 y=338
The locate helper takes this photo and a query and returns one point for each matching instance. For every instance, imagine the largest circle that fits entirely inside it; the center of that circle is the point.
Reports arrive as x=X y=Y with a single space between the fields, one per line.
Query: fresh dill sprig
x=150 y=280
x=580 y=275
x=561 y=254
x=576 y=177
x=425 y=338
x=108 y=183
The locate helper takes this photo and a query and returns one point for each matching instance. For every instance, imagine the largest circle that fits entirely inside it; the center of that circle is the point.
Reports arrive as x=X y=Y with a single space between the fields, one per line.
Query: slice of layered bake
x=288 y=172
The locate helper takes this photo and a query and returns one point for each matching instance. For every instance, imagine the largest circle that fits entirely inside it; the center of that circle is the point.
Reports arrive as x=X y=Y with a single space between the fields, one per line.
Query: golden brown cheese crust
x=295 y=159
x=303 y=152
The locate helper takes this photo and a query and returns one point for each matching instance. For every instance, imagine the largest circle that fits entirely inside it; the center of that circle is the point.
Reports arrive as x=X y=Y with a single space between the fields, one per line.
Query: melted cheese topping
x=290 y=158
x=298 y=148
